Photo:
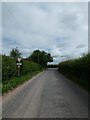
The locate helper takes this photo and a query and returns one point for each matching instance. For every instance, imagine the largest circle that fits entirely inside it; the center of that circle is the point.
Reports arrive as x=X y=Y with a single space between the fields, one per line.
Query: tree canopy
x=41 y=57
x=15 y=53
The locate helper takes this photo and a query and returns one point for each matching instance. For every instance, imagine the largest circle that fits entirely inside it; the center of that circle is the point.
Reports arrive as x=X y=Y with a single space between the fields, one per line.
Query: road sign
x=18 y=59
x=19 y=63
x=18 y=66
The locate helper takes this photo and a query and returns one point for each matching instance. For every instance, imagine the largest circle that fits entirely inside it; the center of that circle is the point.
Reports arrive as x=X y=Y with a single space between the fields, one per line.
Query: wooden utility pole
x=38 y=56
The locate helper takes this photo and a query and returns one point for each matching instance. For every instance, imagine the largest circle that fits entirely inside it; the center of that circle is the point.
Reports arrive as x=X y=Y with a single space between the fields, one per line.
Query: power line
x=18 y=24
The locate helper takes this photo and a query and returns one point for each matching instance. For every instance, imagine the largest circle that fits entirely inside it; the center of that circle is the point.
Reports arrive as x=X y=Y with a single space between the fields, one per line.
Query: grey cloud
x=80 y=46
x=58 y=28
x=69 y=21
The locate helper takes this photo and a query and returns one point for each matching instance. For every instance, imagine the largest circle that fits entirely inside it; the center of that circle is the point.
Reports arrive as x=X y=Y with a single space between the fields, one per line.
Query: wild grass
x=16 y=81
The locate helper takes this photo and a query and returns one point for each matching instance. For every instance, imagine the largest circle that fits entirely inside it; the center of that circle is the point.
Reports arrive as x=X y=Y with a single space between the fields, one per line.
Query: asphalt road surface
x=48 y=95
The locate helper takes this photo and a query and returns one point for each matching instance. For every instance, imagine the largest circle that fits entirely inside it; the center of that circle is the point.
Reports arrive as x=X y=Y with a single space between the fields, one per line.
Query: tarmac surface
x=47 y=95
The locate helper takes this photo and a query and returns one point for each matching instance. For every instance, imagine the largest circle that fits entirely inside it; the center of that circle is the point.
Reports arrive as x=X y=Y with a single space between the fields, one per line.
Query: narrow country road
x=48 y=95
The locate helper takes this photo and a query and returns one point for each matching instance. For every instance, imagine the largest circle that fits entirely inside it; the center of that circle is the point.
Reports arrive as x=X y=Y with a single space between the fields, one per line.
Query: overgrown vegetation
x=41 y=57
x=0 y=74
x=13 y=75
x=77 y=70
x=9 y=72
x=8 y=68
x=15 y=81
x=15 y=53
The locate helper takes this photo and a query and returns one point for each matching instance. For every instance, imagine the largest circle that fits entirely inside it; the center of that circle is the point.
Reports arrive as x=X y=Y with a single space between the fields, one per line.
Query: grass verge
x=16 y=81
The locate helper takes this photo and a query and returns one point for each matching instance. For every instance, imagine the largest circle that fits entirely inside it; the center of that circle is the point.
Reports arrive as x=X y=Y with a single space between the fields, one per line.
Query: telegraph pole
x=38 y=56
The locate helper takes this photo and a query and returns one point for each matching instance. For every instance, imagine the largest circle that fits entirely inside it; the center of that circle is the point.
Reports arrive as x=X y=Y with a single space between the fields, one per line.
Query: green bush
x=77 y=69
x=0 y=69
x=9 y=68
x=29 y=67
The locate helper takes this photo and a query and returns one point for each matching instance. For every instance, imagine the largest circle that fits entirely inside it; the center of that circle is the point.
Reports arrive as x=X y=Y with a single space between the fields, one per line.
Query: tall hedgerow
x=9 y=68
x=77 y=69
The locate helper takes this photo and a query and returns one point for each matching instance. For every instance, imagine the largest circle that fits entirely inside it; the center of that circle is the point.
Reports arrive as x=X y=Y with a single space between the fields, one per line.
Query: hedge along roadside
x=9 y=68
x=77 y=70
x=9 y=72
x=14 y=82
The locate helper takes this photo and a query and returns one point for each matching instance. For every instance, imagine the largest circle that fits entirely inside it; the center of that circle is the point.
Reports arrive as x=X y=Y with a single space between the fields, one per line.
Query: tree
x=15 y=53
x=41 y=57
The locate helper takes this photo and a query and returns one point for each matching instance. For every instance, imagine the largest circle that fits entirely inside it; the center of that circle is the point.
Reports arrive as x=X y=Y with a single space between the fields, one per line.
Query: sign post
x=19 y=64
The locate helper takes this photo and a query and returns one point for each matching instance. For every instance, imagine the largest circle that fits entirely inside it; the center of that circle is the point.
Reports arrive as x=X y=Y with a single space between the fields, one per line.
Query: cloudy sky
x=58 y=28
